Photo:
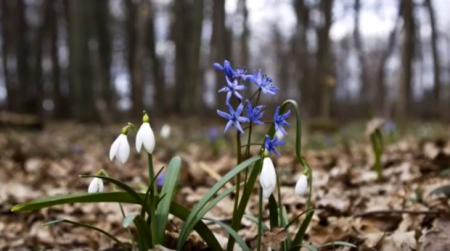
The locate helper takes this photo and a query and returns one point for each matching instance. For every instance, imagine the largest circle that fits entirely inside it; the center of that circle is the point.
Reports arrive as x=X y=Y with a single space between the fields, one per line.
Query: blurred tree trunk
x=436 y=61
x=82 y=90
x=379 y=101
x=321 y=94
x=187 y=35
x=22 y=52
x=220 y=45
x=193 y=96
x=365 y=90
x=60 y=110
x=244 y=53
x=180 y=9
x=301 y=54
x=6 y=27
x=157 y=66
x=404 y=99
x=134 y=39
x=282 y=66
x=102 y=34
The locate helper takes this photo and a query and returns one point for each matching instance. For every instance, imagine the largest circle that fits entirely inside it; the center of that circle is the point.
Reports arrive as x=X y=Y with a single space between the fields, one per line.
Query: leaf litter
x=406 y=210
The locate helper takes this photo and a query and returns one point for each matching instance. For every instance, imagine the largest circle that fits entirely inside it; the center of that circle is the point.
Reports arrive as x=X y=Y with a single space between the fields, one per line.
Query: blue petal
x=238 y=95
x=238 y=127
x=224 y=89
x=223 y=114
x=230 y=123
x=218 y=66
x=228 y=97
x=243 y=119
x=239 y=109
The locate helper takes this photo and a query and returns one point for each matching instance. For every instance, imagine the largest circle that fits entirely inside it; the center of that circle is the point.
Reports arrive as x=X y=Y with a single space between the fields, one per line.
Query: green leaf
x=338 y=243
x=441 y=190
x=273 y=209
x=301 y=231
x=117 y=197
x=305 y=245
x=89 y=227
x=253 y=219
x=128 y=220
x=147 y=193
x=162 y=212
x=233 y=233
x=192 y=219
x=144 y=237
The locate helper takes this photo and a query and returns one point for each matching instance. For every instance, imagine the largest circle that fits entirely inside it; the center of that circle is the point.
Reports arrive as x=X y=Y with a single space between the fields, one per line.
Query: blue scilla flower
x=270 y=145
x=263 y=82
x=280 y=120
x=254 y=114
x=160 y=179
x=234 y=117
x=233 y=87
x=230 y=72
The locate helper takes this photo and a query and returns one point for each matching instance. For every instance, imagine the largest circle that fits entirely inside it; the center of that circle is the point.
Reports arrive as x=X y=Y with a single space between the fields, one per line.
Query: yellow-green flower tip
x=145 y=118
x=305 y=172
x=266 y=153
x=125 y=130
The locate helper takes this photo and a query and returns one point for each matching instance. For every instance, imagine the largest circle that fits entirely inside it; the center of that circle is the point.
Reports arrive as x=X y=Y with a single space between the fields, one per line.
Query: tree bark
x=436 y=60
x=404 y=100
x=22 y=53
x=365 y=90
x=6 y=37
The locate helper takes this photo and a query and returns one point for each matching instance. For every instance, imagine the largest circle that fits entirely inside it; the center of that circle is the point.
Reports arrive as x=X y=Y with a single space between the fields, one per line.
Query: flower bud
x=120 y=149
x=95 y=186
x=301 y=188
x=267 y=178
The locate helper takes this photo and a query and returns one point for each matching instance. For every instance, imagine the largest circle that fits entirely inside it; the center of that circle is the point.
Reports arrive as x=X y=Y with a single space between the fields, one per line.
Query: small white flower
x=301 y=188
x=95 y=186
x=279 y=134
x=165 y=131
x=268 y=178
x=120 y=149
x=145 y=137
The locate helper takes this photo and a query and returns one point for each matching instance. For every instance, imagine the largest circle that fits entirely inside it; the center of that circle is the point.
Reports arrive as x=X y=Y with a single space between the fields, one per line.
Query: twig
x=371 y=213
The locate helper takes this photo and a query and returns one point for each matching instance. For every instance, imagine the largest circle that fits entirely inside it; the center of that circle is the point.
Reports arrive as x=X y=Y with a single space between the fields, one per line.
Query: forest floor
x=399 y=212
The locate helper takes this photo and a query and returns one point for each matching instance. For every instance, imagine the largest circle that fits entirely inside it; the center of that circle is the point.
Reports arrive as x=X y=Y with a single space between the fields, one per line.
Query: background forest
x=342 y=59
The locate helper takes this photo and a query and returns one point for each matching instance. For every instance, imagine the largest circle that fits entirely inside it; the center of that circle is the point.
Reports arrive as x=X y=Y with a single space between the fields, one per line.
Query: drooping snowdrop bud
x=145 y=136
x=301 y=188
x=268 y=177
x=120 y=149
x=95 y=186
x=165 y=131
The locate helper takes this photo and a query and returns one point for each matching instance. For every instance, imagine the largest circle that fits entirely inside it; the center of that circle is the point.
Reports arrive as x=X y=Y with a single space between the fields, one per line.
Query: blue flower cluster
x=233 y=77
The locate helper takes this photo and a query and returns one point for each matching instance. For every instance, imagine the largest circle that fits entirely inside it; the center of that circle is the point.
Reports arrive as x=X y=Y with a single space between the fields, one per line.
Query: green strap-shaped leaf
x=117 y=197
x=301 y=231
x=193 y=219
x=144 y=237
x=233 y=233
x=162 y=212
x=89 y=227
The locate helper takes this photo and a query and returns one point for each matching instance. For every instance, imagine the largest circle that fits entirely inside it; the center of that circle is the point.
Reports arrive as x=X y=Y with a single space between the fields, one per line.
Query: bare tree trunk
x=321 y=93
x=301 y=54
x=157 y=66
x=436 y=61
x=193 y=95
x=220 y=43
x=404 y=100
x=179 y=35
x=244 y=53
x=6 y=37
x=22 y=53
x=365 y=90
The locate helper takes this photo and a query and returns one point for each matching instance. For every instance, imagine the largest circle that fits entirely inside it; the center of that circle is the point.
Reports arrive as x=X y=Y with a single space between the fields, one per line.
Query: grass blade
x=301 y=231
x=233 y=233
x=162 y=212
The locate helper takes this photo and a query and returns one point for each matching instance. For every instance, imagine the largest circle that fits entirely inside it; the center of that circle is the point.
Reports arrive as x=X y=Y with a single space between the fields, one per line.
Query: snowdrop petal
x=165 y=131
x=301 y=188
x=146 y=138
x=124 y=149
x=267 y=178
x=95 y=186
x=114 y=147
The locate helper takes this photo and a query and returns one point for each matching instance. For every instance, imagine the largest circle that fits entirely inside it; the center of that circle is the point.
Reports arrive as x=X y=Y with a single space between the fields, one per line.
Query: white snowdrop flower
x=120 y=149
x=279 y=134
x=267 y=178
x=145 y=136
x=165 y=131
x=301 y=188
x=95 y=186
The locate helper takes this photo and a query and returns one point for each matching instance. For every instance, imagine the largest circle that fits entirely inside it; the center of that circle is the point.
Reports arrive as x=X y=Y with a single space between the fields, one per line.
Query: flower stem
x=260 y=202
x=151 y=173
x=238 y=181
